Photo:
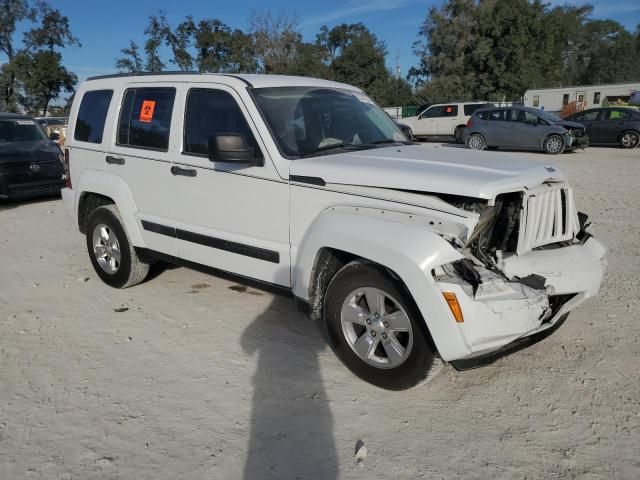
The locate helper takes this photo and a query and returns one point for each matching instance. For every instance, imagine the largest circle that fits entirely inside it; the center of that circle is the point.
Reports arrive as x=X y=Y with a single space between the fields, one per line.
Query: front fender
x=411 y=251
x=114 y=187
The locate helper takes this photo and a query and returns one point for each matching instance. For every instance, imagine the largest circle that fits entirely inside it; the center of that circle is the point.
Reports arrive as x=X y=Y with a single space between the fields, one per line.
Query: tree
x=132 y=61
x=33 y=75
x=53 y=32
x=155 y=36
x=275 y=41
x=43 y=79
x=12 y=12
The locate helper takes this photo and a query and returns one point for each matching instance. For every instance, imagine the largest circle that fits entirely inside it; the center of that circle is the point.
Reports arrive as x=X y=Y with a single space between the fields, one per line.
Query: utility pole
x=397 y=72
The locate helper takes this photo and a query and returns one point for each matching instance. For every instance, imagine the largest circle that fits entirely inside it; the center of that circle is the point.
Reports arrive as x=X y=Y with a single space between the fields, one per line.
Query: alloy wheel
x=554 y=144
x=376 y=327
x=106 y=248
x=630 y=140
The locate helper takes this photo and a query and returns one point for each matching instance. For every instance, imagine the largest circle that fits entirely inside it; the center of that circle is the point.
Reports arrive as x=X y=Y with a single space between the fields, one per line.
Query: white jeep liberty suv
x=407 y=255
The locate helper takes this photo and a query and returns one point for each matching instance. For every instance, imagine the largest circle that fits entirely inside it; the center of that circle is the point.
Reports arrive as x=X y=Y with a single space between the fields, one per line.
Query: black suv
x=30 y=163
x=610 y=126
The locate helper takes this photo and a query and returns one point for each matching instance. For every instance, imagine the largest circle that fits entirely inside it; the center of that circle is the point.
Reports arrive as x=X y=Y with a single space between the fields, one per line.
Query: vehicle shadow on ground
x=11 y=204
x=291 y=422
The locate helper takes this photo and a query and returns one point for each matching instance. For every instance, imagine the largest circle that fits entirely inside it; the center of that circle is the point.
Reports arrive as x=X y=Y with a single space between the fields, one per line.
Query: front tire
x=554 y=144
x=475 y=141
x=113 y=257
x=373 y=326
x=629 y=139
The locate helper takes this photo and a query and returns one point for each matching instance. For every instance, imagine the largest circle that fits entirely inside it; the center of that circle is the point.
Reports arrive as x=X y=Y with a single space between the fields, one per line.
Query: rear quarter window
x=470 y=109
x=92 y=115
x=145 y=118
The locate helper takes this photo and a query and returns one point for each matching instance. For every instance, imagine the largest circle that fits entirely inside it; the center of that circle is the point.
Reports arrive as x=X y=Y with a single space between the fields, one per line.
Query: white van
x=306 y=185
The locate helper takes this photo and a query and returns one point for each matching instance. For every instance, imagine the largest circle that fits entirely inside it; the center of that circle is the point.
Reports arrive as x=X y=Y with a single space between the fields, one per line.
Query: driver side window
x=431 y=112
x=210 y=112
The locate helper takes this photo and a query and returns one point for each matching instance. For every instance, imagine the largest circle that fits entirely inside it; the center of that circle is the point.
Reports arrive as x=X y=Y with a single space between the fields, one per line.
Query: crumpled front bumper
x=500 y=312
x=573 y=143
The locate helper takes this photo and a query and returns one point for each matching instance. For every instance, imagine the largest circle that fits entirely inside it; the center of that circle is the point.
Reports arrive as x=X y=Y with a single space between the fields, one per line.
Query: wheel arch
x=405 y=252
x=101 y=188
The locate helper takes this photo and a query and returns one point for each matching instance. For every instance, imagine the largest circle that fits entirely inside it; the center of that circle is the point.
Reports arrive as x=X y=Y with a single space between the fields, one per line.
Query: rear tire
x=457 y=133
x=113 y=257
x=395 y=349
x=629 y=139
x=554 y=144
x=475 y=141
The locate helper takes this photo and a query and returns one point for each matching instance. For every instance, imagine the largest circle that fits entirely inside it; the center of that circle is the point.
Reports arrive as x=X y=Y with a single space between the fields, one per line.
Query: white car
x=442 y=120
x=406 y=257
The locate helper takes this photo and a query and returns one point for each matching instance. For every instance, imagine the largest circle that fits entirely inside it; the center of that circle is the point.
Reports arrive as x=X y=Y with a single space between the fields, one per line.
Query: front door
x=615 y=121
x=592 y=124
x=229 y=216
x=427 y=123
x=525 y=131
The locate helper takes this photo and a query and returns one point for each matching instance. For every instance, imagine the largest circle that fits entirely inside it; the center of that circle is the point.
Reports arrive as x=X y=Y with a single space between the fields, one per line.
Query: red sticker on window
x=449 y=109
x=146 y=112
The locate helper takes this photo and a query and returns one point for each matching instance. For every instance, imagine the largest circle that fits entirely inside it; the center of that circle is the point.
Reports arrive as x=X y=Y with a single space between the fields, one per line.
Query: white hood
x=447 y=170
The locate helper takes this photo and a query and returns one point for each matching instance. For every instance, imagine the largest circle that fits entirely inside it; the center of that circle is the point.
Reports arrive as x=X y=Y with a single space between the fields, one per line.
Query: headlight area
x=490 y=310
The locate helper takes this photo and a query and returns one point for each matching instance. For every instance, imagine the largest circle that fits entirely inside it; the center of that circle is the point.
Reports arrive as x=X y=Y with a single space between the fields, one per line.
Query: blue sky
x=103 y=30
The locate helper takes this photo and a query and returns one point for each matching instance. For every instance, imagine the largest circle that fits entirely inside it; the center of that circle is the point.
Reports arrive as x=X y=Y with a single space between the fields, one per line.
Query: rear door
x=497 y=131
x=448 y=119
x=141 y=154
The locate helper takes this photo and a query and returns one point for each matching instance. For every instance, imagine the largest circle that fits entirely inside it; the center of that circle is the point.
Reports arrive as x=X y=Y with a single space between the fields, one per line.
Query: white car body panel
x=379 y=204
x=468 y=173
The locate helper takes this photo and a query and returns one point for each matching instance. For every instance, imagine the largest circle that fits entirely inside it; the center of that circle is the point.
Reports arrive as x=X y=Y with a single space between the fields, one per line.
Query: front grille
x=548 y=216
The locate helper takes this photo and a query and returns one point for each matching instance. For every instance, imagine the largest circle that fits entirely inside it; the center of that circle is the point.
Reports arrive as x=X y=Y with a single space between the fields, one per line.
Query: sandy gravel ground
x=193 y=376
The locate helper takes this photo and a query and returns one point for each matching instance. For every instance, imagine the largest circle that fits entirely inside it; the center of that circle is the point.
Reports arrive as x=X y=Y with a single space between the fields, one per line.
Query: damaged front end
x=528 y=261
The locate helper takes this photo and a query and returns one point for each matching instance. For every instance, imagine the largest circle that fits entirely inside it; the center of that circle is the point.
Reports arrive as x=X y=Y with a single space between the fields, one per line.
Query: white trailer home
x=553 y=99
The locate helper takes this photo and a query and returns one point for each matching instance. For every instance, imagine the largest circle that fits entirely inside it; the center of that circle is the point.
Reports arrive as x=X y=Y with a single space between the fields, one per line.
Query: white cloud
x=353 y=8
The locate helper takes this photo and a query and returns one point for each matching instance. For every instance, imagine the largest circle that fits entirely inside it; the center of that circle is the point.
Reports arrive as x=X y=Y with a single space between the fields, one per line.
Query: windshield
x=549 y=117
x=20 y=130
x=309 y=121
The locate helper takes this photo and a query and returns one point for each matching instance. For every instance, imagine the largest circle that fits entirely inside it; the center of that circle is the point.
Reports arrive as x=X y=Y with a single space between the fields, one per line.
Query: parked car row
x=482 y=125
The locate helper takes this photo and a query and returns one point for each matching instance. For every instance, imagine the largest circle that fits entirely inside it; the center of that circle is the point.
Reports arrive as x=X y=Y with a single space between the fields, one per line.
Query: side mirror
x=231 y=148
x=54 y=136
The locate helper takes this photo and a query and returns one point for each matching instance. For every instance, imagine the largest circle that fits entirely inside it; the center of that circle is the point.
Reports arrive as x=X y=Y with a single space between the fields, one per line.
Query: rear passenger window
x=145 y=118
x=210 y=112
x=449 y=111
x=92 y=116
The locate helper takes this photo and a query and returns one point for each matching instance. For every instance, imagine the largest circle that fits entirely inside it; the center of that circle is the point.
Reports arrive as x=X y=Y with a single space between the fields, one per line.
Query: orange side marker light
x=452 y=301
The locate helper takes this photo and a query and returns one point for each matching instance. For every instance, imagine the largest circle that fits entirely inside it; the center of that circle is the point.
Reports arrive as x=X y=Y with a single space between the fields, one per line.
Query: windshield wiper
x=325 y=148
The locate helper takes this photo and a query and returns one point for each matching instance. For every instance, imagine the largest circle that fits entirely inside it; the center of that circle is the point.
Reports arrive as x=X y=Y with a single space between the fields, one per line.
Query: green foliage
x=43 y=78
x=497 y=49
x=345 y=53
x=33 y=74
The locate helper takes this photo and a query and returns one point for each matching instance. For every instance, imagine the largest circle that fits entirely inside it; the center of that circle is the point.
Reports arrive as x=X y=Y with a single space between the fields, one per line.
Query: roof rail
x=166 y=72
x=142 y=74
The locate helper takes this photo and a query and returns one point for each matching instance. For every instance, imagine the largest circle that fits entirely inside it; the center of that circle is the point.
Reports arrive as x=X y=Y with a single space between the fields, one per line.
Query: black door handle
x=186 y=172
x=115 y=160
